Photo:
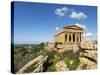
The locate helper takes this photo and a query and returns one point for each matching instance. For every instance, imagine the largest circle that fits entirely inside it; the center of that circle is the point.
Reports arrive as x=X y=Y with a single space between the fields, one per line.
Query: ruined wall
x=60 y=38
x=49 y=46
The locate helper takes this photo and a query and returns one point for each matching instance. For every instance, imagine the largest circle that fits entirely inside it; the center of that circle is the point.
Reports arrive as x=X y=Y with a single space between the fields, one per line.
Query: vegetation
x=23 y=54
x=71 y=59
x=51 y=68
x=67 y=57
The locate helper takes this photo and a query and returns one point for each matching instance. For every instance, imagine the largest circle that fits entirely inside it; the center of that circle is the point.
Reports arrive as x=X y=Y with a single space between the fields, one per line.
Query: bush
x=75 y=64
x=22 y=57
x=51 y=69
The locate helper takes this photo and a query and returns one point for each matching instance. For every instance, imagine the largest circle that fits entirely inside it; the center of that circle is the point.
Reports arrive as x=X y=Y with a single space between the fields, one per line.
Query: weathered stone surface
x=61 y=66
x=88 y=45
x=88 y=57
x=39 y=66
x=90 y=64
x=74 y=48
x=49 y=47
x=91 y=54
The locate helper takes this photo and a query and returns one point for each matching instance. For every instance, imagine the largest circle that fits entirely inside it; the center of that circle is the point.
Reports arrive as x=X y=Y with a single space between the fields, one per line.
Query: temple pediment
x=73 y=27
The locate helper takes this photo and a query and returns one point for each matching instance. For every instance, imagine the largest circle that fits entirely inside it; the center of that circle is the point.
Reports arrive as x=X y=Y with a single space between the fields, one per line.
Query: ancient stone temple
x=70 y=35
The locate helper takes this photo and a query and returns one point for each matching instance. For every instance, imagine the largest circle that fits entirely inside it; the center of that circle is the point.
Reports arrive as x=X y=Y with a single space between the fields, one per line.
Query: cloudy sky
x=36 y=22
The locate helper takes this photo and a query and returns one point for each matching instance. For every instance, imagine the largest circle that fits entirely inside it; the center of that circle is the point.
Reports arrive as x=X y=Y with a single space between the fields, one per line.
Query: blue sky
x=38 y=22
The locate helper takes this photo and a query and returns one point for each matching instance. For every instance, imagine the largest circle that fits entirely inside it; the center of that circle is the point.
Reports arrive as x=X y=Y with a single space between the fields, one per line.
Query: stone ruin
x=87 y=53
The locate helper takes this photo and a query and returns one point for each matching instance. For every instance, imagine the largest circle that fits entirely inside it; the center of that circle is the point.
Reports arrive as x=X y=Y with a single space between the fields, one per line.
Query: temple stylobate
x=70 y=35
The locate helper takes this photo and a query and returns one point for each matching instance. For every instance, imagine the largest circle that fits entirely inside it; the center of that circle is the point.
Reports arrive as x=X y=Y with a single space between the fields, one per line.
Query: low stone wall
x=75 y=48
x=49 y=47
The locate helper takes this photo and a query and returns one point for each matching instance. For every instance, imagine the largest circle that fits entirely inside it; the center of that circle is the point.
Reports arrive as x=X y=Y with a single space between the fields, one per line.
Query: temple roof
x=70 y=27
x=73 y=27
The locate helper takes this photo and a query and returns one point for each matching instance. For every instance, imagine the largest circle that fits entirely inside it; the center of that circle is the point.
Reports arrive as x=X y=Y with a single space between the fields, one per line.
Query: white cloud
x=78 y=15
x=61 y=11
x=80 y=25
x=89 y=34
x=86 y=32
x=57 y=28
x=70 y=13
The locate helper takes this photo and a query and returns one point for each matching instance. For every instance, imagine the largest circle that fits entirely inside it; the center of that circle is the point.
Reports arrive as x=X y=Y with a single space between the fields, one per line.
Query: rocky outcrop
x=38 y=64
x=89 y=64
x=88 y=45
x=89 y=59
x=88 y=56
x=92 y=54
x=87 y=51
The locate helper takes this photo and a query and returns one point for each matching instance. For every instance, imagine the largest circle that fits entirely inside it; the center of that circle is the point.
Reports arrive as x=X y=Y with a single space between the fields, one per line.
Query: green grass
x=51 y=68
x=66 y=57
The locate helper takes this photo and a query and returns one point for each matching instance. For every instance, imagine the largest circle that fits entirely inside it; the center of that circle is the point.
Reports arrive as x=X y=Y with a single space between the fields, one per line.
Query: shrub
x=51 y=68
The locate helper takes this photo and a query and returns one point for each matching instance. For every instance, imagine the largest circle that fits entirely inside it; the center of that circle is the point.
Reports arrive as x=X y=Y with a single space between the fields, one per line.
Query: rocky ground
x=76 y=57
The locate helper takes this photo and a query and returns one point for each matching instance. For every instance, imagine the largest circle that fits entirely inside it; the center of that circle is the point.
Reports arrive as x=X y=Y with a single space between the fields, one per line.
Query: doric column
x=75 y=37
x=71 y=37
x=78 y=35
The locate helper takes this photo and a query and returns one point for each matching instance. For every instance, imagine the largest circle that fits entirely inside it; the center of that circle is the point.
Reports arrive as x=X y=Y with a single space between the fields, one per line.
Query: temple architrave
x=70 y=35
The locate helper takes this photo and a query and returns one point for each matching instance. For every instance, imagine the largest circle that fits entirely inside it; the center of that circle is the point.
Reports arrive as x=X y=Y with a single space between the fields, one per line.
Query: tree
x=42 y=45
